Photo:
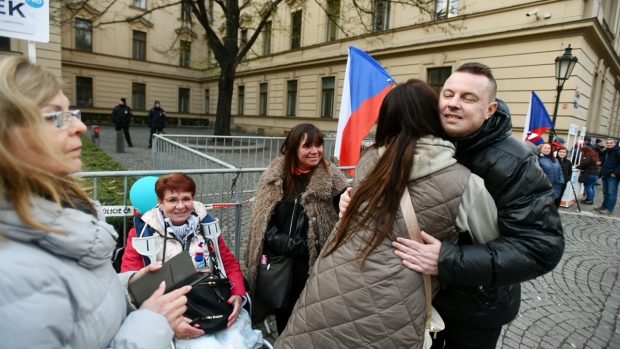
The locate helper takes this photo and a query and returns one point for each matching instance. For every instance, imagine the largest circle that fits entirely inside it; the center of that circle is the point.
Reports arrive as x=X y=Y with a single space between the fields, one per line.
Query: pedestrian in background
x=590 y=171
x=156 y=121
x=553 y=171
x=567 y=166
x=58 y=287
x=298 y=197
x=610 y=173
x=121 y=115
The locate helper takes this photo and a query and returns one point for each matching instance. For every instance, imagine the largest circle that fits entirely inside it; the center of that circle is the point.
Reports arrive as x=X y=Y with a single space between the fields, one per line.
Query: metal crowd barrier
x=226 y=171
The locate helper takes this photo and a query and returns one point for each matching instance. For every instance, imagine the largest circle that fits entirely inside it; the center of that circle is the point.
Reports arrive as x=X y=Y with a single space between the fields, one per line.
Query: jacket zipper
x=290 y=229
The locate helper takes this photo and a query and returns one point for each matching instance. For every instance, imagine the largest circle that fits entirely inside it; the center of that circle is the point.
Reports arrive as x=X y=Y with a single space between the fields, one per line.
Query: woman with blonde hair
x=58 y=286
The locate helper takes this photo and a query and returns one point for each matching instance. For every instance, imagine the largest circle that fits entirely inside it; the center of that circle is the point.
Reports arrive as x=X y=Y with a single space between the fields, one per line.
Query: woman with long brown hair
x=359 y=294
x=294 y=212
x=590 y=170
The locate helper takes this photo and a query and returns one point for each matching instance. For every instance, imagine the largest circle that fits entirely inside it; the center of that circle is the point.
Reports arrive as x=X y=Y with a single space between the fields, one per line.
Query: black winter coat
x=121 y=115
x=481 y=283
x=567 y=169
x=611 y=162
x=157 y=118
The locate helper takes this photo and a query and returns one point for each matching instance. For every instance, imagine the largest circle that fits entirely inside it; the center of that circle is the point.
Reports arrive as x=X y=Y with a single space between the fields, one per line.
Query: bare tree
x=222 y=33
x=225 y=47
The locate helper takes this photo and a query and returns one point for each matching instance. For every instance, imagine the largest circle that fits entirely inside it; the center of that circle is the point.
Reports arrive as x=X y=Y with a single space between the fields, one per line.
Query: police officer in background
x=157 y=121
x=121 y=115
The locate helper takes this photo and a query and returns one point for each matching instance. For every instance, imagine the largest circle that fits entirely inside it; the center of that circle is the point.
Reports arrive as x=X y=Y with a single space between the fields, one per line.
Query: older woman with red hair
x=176 y=220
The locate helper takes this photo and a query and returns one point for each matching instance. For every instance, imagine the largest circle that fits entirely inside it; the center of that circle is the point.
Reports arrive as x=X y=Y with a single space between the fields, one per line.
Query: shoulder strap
x=413 y=227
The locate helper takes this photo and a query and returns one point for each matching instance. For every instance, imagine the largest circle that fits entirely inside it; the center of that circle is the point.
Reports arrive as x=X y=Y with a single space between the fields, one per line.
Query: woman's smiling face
x=177 y=206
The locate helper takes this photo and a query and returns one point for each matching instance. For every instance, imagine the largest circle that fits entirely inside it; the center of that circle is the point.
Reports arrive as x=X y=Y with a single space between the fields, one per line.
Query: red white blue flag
x=537 y=120
x=365 y=85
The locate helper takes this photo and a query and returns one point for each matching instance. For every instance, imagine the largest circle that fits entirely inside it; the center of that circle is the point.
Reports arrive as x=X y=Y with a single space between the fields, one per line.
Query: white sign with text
x=25 y=19
x=117 y=211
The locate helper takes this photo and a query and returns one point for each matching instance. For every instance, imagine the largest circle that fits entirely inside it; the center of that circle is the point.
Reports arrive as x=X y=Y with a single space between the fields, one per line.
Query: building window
x=185 y=54
x=262 y=107
x=139 y=45
x=138 y=96
x=84 y=91
x=446 y=9
x=139 y=4
x=291 y=98
x=267 y=39
x=381 y=19
x=183 y=100
x=333 y=17
x=5 y=43
x=207 y=104
x=436 y=77
x=610 y=10
x=240 y=99
x=83 y=35
x=244 y=38
x=186 y=11
x=296 y=29
x=327 y=97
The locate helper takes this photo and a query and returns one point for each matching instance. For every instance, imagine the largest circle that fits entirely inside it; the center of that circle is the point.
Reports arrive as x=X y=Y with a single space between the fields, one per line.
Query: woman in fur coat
x=297 y=199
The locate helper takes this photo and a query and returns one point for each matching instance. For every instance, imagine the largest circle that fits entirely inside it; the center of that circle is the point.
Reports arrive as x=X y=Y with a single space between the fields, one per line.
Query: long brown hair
x=408 y=112
x=24 y=90
x=289 y=148
x=591 y=153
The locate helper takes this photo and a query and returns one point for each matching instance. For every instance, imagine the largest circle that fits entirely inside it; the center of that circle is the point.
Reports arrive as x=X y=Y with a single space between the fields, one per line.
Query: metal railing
x=220 y=189
x=226 y=183
x=236 y=151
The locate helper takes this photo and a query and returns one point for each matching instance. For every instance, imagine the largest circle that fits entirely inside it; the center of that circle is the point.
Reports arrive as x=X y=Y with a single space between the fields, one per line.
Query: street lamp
x=564 y=65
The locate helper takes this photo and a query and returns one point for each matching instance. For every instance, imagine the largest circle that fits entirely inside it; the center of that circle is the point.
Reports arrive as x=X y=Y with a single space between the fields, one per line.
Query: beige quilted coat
x=383 y=304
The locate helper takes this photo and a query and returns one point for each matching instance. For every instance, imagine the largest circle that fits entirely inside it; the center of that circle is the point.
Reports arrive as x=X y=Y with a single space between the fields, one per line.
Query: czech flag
x=539 y=120
x=365 y=85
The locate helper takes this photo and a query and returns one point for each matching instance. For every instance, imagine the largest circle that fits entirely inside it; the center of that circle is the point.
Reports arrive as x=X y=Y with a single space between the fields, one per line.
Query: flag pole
x=345 y=107
x=528 y=117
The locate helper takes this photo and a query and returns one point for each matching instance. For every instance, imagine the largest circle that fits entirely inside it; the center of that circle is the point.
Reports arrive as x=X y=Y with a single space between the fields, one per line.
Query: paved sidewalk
x=577 y=305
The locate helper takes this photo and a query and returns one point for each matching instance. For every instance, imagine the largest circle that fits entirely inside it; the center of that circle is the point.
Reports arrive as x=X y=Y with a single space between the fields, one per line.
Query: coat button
x=313 y=219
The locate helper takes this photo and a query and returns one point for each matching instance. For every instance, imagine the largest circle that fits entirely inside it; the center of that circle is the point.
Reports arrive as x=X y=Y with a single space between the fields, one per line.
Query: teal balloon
x=142 y=194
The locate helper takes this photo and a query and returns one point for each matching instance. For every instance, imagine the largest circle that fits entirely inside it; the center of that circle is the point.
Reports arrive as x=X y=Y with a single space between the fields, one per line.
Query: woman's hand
x=170 y=305
x=186 y=331
x=236 y=303
x=421 y=257
x=345 y=199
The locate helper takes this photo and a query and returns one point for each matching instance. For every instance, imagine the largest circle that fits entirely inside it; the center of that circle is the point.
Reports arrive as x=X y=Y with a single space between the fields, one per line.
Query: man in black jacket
x=156 y=121
x=121 y=115
x=610 y=173
x=480 y=283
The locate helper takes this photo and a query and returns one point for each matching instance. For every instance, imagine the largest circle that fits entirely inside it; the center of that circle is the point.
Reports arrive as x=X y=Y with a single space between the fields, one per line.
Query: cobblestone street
x=577 y=305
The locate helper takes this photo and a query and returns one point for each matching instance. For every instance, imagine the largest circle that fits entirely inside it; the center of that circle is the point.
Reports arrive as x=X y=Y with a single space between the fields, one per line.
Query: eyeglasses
x=62 y=119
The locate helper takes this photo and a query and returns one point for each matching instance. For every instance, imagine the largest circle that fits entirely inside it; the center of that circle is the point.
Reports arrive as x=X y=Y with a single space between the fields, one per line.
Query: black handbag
x=582 y=177
x=273 y=281
x=207 y=302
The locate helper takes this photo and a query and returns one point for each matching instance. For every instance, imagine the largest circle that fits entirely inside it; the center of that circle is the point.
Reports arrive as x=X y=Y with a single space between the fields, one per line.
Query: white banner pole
x=32 y=52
